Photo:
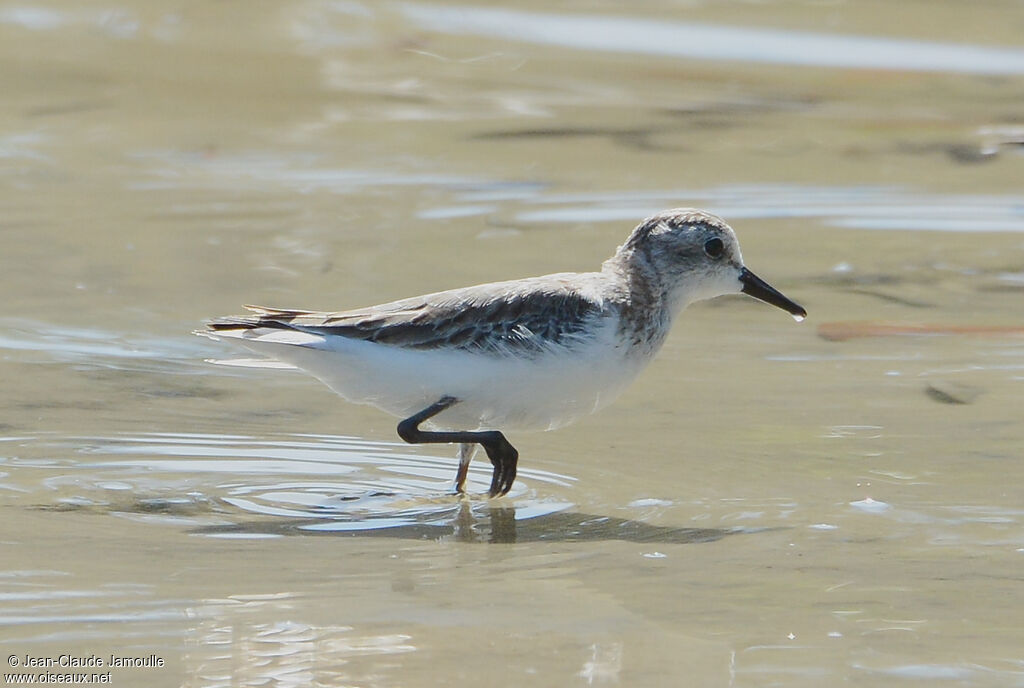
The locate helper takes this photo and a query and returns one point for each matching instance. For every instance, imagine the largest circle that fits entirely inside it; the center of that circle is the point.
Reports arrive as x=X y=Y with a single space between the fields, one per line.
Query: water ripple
x=234 y=486
x=334 y=483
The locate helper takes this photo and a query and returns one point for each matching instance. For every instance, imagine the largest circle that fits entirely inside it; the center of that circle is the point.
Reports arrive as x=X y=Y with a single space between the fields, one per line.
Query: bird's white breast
x=544 y=391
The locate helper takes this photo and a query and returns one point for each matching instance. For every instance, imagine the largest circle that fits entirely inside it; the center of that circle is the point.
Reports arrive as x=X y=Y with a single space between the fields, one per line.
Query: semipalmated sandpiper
x=534 y=353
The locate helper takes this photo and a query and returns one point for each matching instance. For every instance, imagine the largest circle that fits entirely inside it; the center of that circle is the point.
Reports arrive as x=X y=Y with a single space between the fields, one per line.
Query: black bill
x=759 y=289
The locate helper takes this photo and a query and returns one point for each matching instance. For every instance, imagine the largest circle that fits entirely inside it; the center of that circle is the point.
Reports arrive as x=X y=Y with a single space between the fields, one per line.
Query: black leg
x=503 y=455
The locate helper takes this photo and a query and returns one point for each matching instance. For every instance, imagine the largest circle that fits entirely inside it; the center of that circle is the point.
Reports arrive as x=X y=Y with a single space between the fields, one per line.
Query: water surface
x=770 y=503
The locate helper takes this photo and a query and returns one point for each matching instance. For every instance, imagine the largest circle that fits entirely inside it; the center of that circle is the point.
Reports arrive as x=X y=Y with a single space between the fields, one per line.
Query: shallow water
x=770 y=503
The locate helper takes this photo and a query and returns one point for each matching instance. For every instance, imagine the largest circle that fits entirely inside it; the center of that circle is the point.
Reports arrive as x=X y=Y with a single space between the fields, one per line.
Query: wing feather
x=522 y=317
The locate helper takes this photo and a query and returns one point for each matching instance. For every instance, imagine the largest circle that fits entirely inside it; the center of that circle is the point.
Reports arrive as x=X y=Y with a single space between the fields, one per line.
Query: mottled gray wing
x=514 y=317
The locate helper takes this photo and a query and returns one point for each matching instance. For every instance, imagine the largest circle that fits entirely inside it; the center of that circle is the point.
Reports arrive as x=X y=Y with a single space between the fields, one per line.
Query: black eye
x=714 y=248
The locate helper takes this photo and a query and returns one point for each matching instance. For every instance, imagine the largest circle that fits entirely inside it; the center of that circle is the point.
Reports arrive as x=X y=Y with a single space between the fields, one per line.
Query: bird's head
x=688 y=255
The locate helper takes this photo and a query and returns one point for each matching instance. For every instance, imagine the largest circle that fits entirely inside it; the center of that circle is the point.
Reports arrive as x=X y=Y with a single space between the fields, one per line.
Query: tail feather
x=273 y=318
x=241 y=322
x=277 y=312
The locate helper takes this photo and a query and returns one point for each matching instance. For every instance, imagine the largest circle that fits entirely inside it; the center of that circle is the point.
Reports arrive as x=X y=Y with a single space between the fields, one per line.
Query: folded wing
x=501 y=318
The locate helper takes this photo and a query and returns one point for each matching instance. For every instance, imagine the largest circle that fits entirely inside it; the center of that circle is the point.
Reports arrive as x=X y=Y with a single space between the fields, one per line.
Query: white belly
x=495 y=392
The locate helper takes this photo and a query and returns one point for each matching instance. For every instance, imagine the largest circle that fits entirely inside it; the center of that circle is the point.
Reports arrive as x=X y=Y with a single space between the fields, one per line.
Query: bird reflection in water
x=481 y=522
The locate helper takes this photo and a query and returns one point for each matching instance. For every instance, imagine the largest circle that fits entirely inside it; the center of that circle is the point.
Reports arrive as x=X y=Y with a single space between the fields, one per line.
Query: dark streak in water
x=892 y=298
x=722 y=110
x=964 y=153
x=638 y=138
